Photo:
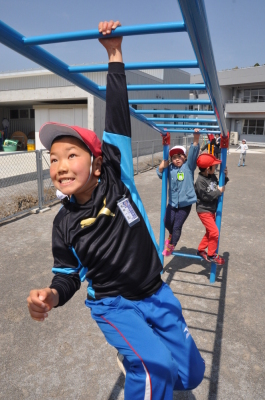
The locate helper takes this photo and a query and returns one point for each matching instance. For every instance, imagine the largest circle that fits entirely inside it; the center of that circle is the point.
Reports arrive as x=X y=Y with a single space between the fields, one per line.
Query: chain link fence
x=25 y=182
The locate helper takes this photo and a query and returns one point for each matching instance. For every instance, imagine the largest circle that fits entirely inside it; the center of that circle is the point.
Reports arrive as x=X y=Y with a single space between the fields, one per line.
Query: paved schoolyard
x=67 y=357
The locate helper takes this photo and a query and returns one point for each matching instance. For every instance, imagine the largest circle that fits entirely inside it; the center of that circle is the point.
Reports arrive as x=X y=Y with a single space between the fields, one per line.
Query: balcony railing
x=255 y=99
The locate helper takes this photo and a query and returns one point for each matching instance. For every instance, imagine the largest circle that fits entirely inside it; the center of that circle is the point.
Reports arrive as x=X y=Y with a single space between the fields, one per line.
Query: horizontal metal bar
x=160 y=87
x=168 y=101
x=195 y=18
x=186 y=255
x=202 y=131
x=137 y=66
x=165 y=27
x=188 y=126
x=181 y=120
x=184 y=112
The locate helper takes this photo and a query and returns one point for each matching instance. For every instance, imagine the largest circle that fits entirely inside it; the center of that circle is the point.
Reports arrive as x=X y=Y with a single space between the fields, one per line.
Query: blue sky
x=237 y=30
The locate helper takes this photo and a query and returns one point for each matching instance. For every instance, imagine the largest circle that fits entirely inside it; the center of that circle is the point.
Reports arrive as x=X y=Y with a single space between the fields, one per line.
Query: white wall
x=64 y=114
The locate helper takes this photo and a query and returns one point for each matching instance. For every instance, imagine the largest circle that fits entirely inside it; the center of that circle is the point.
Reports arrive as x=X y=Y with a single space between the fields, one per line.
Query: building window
x=253 y=127
x=13 y=114
x=254 y=95
x=23 y=113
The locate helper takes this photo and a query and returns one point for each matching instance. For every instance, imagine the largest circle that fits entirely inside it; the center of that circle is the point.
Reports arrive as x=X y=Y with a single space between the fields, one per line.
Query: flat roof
x=250 y=76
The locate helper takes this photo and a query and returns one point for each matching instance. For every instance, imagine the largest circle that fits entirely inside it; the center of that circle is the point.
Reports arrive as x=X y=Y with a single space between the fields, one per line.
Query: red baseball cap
x=51 y=130
x=177 y=150
x=207 y=160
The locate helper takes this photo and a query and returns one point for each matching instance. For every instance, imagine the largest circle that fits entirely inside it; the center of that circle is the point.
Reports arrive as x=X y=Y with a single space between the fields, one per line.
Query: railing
x=247 y=100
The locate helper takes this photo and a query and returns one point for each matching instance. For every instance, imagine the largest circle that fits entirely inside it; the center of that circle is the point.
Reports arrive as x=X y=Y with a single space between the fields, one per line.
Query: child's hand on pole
x=164 y=164
x=41 y=301
x=222 y=189
x=196 y=137
x=111 y=44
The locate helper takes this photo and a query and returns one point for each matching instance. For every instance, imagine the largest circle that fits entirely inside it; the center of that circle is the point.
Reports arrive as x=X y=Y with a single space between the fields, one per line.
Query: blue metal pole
x=165 y=27
x=136 y=66
x=177 y=254
x=168 y=101
x=161 y=87
x=184 y=112
x=195 y=18
x=181 y=120
x=202 y=132
x=163 y=203
x=219 y=208
x=188 y=126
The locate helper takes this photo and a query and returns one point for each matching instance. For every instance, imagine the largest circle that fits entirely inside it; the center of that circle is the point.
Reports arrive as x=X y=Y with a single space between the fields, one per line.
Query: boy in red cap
x=208 y=191
x=102 y=235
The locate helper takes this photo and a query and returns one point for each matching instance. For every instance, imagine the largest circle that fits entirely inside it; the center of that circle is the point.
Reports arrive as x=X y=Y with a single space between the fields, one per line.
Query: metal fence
x=25 y=182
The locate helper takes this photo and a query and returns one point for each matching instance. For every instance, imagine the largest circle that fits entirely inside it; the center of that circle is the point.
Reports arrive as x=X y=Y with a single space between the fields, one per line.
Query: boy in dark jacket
x=208 y=191
x=102 y=235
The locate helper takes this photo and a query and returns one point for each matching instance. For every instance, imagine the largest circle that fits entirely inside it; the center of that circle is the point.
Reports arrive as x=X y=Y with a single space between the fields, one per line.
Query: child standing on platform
x=208 y=191
x=243 y=151
x=102 y=235
x=181 y=191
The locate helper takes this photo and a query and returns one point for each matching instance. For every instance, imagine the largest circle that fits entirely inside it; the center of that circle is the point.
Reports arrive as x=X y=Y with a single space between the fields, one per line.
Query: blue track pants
x=159 y=353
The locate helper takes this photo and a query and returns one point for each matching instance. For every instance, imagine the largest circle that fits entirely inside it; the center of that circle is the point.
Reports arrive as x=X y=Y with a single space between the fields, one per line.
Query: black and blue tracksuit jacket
x=93 y=241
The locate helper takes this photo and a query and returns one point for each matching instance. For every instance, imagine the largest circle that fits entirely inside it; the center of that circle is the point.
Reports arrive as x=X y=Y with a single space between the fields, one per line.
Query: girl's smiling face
x=70 y=168
x=178 y=160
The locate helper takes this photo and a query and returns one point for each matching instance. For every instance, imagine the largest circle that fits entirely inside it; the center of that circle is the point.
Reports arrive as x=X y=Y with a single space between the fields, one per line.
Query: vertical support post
x=219 y=206
x=39 y=178
x=152 y=154
x=166 y=143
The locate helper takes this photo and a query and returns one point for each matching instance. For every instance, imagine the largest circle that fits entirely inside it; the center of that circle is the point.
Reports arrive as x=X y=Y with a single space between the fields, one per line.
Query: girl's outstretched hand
x=111 y=44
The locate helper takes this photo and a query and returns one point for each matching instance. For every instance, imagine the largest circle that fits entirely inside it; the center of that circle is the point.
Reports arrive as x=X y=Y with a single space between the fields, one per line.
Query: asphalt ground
x=67 y=357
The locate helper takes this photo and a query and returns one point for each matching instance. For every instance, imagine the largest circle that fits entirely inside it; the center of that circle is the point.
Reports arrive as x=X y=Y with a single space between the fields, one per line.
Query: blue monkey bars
x=195 y=24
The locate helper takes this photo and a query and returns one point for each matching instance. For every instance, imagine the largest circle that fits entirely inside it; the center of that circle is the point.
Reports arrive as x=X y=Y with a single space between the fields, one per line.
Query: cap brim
x=216 y=162
x=50 y=131
x=176 y=151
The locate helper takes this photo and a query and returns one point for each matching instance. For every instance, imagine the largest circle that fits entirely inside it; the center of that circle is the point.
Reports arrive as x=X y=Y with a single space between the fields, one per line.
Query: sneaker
x=202 y=254
x=238 y=165
x=243 y=165
x=120 y=359
x=168 y=241
x=216 y=259
x=168 y=250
